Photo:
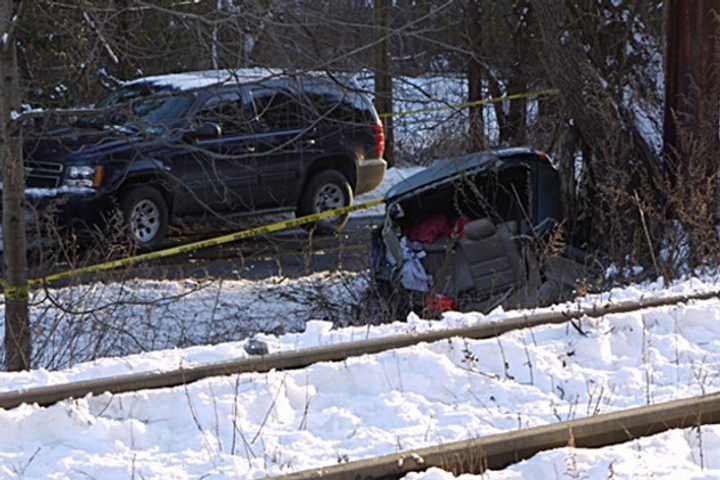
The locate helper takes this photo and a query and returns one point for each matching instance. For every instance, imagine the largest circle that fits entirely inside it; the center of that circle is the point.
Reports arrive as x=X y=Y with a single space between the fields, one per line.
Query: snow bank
x=251 y=425
x=158 y=316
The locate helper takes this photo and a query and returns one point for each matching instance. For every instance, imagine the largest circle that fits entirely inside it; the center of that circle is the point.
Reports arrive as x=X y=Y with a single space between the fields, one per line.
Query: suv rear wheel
x=146 y=215
x=327 y=190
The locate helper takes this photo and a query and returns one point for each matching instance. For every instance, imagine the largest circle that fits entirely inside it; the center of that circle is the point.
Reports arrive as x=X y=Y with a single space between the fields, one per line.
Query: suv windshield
x=124 y=95
x=153 y=115
x=156 y=114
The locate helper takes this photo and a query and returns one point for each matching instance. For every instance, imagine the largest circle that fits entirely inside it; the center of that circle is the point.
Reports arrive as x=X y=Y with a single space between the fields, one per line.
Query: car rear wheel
x=327 y=190
x=146 y=215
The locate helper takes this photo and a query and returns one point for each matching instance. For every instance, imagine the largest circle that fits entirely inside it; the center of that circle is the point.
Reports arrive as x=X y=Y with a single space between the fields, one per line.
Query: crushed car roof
x=442 y=171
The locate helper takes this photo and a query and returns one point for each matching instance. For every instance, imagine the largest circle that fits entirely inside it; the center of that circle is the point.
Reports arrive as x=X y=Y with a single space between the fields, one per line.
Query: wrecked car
x=476 y=232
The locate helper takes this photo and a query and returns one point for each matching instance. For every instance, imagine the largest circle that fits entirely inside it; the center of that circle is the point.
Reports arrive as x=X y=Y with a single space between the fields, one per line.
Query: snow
x=423 y=136
x=393 y=176
x=251 y=425
x=199 y=79
x=155 y=317
x=74 y=325
x=54 y=192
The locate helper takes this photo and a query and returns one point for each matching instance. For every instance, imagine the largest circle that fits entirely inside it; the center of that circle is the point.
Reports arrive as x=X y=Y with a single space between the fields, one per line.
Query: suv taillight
x=543 y=156
x=379 y=139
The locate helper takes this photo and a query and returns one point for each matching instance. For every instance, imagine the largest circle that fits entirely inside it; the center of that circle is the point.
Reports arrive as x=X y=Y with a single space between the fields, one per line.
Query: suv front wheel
x=327 y=190
x=146 y=216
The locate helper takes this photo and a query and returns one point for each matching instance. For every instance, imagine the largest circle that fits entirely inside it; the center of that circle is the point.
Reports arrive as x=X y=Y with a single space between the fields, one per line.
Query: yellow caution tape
x=211 y=242
x=17 y=293
x=477 y=103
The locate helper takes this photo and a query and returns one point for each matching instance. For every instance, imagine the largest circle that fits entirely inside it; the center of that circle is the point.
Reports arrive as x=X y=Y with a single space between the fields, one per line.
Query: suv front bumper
x=66 y=206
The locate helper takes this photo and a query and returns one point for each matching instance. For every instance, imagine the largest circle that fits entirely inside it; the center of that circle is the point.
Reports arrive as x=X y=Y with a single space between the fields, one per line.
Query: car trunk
x=465 y=240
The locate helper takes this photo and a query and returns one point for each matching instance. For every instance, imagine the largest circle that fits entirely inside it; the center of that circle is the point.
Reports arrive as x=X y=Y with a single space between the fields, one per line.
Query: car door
x=281 y=139
x=219 y=173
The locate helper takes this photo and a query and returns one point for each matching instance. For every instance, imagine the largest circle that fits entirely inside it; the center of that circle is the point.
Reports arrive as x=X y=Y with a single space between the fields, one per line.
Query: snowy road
x=289 y=254
x=250 y=425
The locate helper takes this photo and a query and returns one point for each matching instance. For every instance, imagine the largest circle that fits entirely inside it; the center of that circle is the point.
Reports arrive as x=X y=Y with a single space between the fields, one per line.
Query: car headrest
x=479 y=229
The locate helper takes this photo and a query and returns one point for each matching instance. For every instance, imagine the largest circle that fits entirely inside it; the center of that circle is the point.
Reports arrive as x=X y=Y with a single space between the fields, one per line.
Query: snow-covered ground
x=392 y=177
x=72 y=325
x=250 y=425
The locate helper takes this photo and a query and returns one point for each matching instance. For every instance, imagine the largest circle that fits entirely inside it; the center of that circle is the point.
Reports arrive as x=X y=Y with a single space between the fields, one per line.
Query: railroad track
x=49 y=395
x=500 y=450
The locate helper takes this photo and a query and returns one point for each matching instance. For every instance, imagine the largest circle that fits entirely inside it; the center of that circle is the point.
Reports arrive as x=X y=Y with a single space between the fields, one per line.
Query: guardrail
x=49 y=395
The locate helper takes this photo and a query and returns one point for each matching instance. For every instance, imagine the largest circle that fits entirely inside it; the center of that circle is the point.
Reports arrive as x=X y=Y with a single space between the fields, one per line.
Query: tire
x=326 y=190
x=145 y=212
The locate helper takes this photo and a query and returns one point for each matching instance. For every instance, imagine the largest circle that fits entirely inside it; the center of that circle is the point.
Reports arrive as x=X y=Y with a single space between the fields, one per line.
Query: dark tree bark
x=475 y=75
x=383 y=73
x=18 y=346
x=691 y=73
x=692 y=116
x=124 y=33
x=515 y=132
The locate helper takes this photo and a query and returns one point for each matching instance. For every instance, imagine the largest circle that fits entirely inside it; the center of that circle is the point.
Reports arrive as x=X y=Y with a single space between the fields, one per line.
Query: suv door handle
x=310 y=142
x=250 y=148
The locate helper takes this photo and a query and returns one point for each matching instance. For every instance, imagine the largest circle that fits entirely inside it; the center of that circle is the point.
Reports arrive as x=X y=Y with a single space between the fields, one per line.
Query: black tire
x=326 y=190
x=150 y=229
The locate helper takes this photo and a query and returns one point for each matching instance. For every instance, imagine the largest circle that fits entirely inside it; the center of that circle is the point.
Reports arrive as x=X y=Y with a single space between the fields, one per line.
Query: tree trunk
x=515 y=131
x=691 y=72
x=383 y=74
x=17 y=326
x=475 y=76
x=125 y=66
x=692 y=109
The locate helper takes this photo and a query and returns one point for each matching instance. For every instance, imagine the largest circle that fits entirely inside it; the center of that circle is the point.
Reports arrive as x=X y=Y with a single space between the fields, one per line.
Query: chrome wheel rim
x=145 y=220
x=328 y=197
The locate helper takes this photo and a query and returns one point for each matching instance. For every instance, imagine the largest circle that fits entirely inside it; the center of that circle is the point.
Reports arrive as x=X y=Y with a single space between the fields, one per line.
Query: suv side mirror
x=206 y=130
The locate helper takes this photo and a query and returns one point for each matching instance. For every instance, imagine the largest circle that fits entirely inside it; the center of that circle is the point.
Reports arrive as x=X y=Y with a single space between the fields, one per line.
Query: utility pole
x=382 y=11
x=18 y=347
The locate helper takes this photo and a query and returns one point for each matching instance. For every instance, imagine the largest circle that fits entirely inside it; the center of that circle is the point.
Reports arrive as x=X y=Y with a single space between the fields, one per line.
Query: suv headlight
x=84 y=176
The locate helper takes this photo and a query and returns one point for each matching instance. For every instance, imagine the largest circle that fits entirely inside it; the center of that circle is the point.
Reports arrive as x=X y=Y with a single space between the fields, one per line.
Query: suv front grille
x=43 y=174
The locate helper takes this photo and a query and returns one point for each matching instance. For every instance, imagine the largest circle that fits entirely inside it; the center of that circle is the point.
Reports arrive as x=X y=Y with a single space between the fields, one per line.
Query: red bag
x=439 y=303
x=430 y=229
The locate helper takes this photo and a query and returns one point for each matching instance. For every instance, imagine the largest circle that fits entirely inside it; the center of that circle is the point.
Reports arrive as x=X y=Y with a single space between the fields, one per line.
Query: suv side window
x=334 y=104
x=277 y=109
x=225 y=109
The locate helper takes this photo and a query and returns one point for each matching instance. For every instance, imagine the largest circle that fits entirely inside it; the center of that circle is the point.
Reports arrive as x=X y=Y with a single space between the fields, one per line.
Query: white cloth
x=412 y=275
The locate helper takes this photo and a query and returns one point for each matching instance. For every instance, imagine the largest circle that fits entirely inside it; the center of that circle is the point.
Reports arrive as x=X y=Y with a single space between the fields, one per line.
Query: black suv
x=240 y=146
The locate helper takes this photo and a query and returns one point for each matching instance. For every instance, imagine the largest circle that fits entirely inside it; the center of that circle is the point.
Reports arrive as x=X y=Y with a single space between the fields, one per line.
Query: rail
x=48 y=395
x=500 y=450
